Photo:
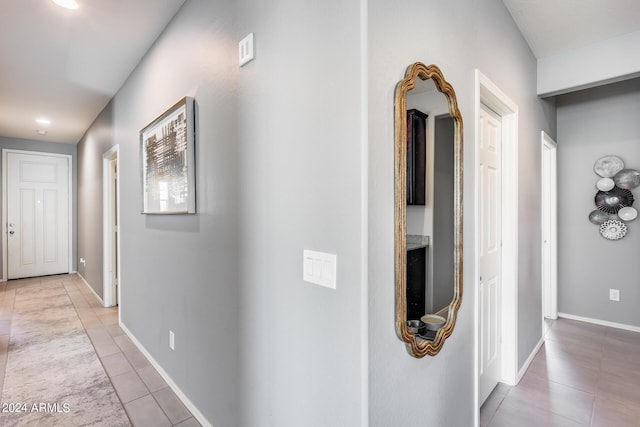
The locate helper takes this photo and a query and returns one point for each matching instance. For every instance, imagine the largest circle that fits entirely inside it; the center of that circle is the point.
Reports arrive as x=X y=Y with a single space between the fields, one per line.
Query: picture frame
x=167 y=161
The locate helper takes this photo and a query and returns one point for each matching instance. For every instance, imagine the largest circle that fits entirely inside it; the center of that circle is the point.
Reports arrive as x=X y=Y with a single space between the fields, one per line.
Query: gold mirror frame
x=416 y=346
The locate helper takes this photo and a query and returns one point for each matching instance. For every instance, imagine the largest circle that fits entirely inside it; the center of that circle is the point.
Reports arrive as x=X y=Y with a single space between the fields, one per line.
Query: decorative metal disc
x=598 y=217
x=628 y=213
x=627 y=178
x=614 y=200
x=608 y=166
x=613 y=230
x=605 y=184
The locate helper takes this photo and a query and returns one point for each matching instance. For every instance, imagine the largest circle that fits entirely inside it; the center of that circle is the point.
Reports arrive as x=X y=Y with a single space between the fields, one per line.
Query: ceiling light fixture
x=42 y=132
x=43 y=121
x=69 y=4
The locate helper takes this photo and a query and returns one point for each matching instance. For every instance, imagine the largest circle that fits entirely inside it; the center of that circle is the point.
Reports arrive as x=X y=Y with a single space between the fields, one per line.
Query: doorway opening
x=111 y=228
x=488 y=97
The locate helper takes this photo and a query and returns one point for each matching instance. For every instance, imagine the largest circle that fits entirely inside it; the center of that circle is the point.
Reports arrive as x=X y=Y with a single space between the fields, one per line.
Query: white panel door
x=37 y=215
x=490 y=251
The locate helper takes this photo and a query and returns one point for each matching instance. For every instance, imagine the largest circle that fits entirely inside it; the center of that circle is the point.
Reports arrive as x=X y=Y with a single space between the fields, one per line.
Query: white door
x=490 y=251
x=37 y=214
x=549 y=229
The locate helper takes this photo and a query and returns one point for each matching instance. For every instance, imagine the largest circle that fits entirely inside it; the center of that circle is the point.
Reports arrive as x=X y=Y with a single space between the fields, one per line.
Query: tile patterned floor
x=584 y=375
x=146 y=397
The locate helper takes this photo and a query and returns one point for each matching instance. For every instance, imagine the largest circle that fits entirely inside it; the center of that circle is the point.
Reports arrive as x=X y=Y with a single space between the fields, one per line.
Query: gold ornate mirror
x=428 y=209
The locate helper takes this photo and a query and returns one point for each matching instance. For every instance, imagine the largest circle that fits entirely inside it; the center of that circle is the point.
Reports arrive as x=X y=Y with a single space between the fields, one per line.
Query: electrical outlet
x=614 y=294
x=172 y=341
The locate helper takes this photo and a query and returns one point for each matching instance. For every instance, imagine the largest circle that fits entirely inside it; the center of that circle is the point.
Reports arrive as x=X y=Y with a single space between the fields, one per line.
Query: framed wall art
x=167 y=161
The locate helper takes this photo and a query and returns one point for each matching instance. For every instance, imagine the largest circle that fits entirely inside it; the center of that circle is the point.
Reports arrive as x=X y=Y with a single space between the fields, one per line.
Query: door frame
x=549 y=290
x=109 y=195
x=5 y=252
x=487 y=93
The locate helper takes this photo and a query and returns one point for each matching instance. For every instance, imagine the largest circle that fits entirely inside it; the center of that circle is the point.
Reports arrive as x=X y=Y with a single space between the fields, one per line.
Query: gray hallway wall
x=459 y=36
x=255 y=345
x=301 y=186
x=591 y=124
x=95 y=142
x=179 y=272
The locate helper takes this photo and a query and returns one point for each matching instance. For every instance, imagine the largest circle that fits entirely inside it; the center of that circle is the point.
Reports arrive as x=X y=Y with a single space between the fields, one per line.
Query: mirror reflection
x=428 y=209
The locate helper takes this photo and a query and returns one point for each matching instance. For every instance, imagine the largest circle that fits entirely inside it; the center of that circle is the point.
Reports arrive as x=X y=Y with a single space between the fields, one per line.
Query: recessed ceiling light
x=43 y=121
x=69 y=4
x=41 y=132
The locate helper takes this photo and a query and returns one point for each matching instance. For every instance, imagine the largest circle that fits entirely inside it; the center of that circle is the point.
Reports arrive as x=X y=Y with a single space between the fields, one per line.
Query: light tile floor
x=584 y=375
x=146 y=397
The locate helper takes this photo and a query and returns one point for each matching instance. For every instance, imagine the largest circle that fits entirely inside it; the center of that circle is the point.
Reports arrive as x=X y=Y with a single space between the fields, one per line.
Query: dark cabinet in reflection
x=416 y=281
x=416 y=156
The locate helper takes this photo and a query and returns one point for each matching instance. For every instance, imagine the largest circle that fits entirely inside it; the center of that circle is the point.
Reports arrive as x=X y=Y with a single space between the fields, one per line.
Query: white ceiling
x=66 y=65
x=552 y=27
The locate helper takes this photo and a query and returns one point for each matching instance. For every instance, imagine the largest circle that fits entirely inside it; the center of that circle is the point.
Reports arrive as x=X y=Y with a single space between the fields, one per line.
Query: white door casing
x=490 y=251
x=37 y=214
x=549 y=228
x=491 y=96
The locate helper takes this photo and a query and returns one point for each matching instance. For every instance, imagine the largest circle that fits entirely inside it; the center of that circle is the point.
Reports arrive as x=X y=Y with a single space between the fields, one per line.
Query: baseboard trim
x=600 y=322
x=90 y=288
x=183 y=398
x=527 y=363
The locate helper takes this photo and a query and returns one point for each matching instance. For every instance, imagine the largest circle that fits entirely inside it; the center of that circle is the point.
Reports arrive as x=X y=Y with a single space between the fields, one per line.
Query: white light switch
x=319 y=268
x=246 y=52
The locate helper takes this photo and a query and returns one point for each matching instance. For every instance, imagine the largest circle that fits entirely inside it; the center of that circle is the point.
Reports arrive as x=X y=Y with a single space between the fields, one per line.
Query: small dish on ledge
x=433 y=322
x=416 y=326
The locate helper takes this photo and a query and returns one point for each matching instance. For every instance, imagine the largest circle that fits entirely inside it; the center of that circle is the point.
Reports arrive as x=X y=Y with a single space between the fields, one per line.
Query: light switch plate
x=246 y=52
x=319 y=268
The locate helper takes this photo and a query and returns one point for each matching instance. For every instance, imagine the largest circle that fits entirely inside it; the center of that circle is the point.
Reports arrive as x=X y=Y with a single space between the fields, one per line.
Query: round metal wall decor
x=598 y=217
x=628 y=213
x=608 y=166
x=613 y=229
x=613 y=200
x=627 y=178
x=605 y=184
